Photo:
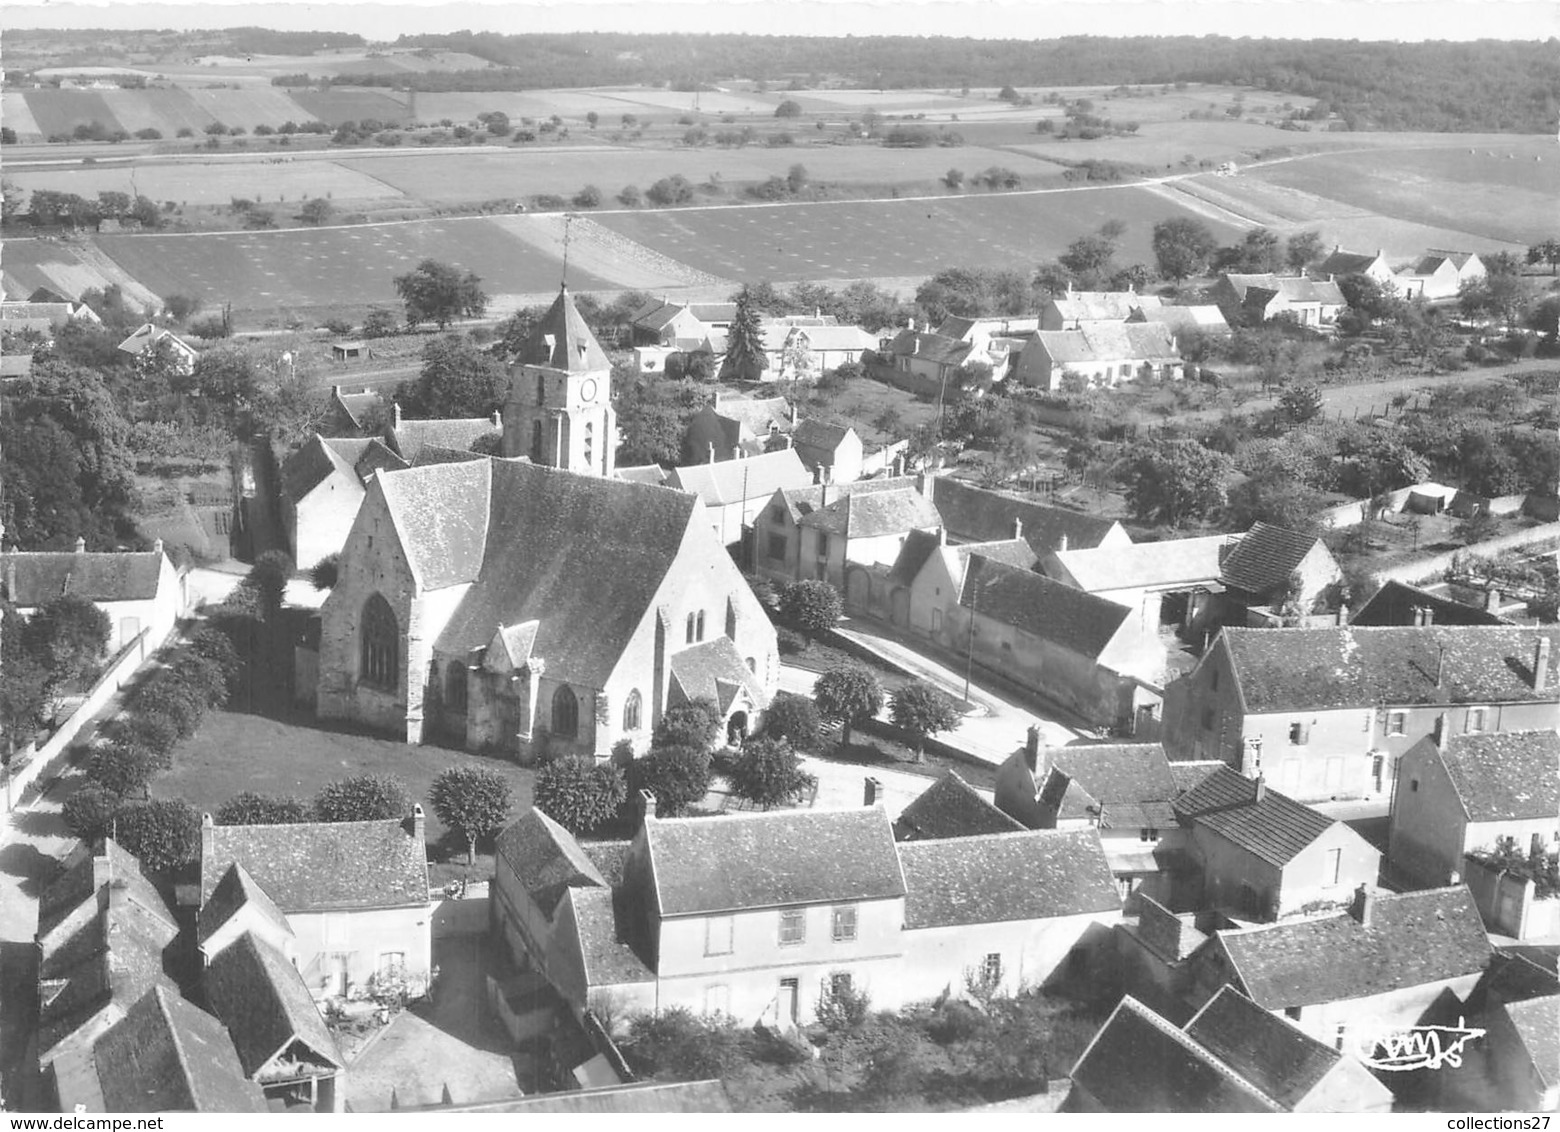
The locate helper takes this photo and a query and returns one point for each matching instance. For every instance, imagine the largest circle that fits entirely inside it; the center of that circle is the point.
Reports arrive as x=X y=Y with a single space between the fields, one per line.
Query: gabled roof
x=1146 y=565
x=644 y=1097
x=1414 y=938
x=927 y=347
x=320 y=457
x=874 y=514
x=84 y=880
x=562 y=340
x=166 y=1055
x=732 y=481
x=1281 y=1060
x=651 y=474
x=1459 y=260
x=262 y=999
x=1504 y=775
x=769 y=860
x=832 y=337
x=1139 y=1062
x=1348 y=666
x=146 y=335
x=236 y=891
x=1397 y=603
x=803 y=500
x=658 y=312
x=1048 y=609
x=43 y=575
x=1265 y=557
x=914 y=553
x=546 y=859
x=408 y=438
x=609 y=949
x=951 y=807
x=1188 y=773
x=1264 y=287
x=1107 y=306
x=759 y=415
x=1206 y=316
x=1130 y=780
x=995 y=878
x=355 y=405
x=715 y=670
x=1340 y=262
x=813 y=433
x=1537 y=1023
x=977 y=514
x=1110 y=342
x=1275 y=828
x=323 y=866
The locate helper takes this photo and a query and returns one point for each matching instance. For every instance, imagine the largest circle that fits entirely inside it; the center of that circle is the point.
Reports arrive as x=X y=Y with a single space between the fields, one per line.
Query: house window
x=1299 y=734
x=455 y=685
x=1476 y=719
x=380 y=644
x=633 y=708
x=541 y=389
x=1126 y=370
x=1213 y=681
x=717 y=935
x=1292 y=1013
x=1339 y=1035
x=793 y=927
x=390 y=963
x=688 y=635
x=1331 y=866
x=731 y=619
x=844 y=924
x=717 y=999
x=841 y=984
x=776 y=546
x=1413 y=786
x=1149 y=834
x=699 y=626
x=565 y=713
x=1397 y=723
x=991 y=969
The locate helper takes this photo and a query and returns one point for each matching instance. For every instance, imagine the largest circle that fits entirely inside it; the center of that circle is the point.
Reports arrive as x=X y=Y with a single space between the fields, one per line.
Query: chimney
x=1261 y=792
x=1492 y=598
x=1061 y=544
x=823 y=492
x=395 y=414
x=419 y=824
x=942 y=536
x=157 y=546
x=923 y=484
x=1343 y=614
x=497 y=418
x=102 y=869
x=208 y=838
x=712 y=451
x=1541 y=663
x=1034 y=751
x=736 y=453
x=793 y=414
x=1018 y=528
x=826 y=472
x=81 y=545
x=872 y=795
x=1363 y=905
x=647 y=805
x=1443 y=729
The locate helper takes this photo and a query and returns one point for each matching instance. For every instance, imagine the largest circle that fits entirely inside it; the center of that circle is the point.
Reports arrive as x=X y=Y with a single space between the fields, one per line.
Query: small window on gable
x=1413 y=786
x=1299 y=734
x=1477 y=717
x=1397 y=722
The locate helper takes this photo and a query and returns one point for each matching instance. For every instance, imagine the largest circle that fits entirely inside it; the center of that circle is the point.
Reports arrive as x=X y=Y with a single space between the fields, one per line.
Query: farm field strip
x=336 y=106
x=597 y=250
x=247 y=108
x=61 y=111
x=16 y=113
x=190 y=183
x=68 y=269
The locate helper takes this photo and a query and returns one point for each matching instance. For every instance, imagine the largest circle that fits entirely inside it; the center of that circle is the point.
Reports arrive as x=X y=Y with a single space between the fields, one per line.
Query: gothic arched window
x=565 y=713
x=633 y=708
x=536 y=442
x=380 y=639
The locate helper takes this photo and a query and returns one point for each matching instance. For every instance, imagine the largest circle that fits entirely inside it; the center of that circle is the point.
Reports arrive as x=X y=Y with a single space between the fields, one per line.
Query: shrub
x=812 y=605
x=954 y=178
x=675 y=1045
x=675 y=189
x=794 y=719
x=209 y=328
x=678 y=777
x=365 y=797
x=768 y=773
x=923 y=711
x=630 y=197
x=217 y=647
x=790 y=642
x=588 y=197
x=172 y=699
x=122 y=768
x=379 y=323
x=250 y=808
x=841 y=1007
x=695 y=724
x=846 y=695
x=324 y=573
x=89 y=811
x=578 y=794
x=473 y=801
x=790 y=108
x=164 y=833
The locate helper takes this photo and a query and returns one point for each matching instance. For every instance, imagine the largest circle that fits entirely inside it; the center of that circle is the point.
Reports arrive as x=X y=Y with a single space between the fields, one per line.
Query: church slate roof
x=714 y=670
x=562 y=340
x=408 y=438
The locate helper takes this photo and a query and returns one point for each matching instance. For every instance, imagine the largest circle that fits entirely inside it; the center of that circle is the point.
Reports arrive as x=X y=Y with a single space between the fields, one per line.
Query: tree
x=163 y=833
x=588 y=197
x=677 y=777
x=439 y=293
x=694 y=724
x=123 y=768
x=954 y=178
x=1273 y=498
x=68 y=636
x=250 y=808
x=324 y=573
x=366 y=797
x=1300 y=401
x=457 y=380
x=1302 y=250
x=630 y=197
x=1257 y=252
x=745 y=357
x=1171 y=481
x=472 y=801
x=1089 y=258
x=675 y=189
x=1547 y=251
x=24 y=686
x=269 y=575
x=1370 y=297
x=923 y=711
x=1182 y=247
x=378 y=323
x=316 y=211
x=812 y=605
x=794 y=719
x=848 y=694
x=578 y=794
x=768 y=773
x=790 y=108
x=89 y=811
x=796 y=178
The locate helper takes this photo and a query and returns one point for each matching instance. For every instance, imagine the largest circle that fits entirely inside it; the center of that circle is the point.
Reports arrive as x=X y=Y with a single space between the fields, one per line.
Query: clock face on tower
x=587 y=390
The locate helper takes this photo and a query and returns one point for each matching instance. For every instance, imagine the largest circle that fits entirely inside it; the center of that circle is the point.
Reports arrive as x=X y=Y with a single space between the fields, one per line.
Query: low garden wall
x=1509 y=904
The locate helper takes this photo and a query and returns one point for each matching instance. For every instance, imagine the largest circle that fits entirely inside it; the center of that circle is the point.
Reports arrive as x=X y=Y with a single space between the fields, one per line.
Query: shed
x=348 y=351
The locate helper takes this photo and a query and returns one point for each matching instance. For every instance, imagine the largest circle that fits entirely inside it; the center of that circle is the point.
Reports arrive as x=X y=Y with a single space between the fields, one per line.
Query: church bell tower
x=559 y=409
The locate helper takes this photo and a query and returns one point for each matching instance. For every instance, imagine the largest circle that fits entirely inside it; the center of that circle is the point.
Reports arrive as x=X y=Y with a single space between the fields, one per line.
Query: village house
x=1076 y=309
x=731 y=427
x=923 y=361
x=757 y=916
x=149 y=335
x=530 y=609
x=1339 y=263
x=1398 y=603
x=1232 y=1056
x=1174 y=583
x=734 y=492
x=1353 y=978
x=349 y=411
x=784 y=552
x=352 y=898
x=1439 y=275
x=927 y=577
x=836 y=448
x=665 y=323
x=844 y=540
x=1205 y=318
x=1515 y=1065
x=1274 y=573
x=1099 y=354
x=1252 y=299
x=977 y=514
x=1263 y=856
x=45 y=318
x=823 y=347
x=322 y=489
x=1467 y=794
x=140 y=591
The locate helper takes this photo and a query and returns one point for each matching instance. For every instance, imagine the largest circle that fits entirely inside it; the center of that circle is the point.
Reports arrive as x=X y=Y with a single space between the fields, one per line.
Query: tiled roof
x=1107 y=306
x=262 y=999
x=951 y=807
x=166 y=1055
x=323 y=866
x=146 y=335
x=653 y=1096
x=1505 y=775
x=1139 y=1062
x=977 y=514
x=715 y=671
x=1414 y=938
x=57 y=314
x=1281 y=1060
x=43 y=575
x=1110 y=342
x=1513 y=978
x=1537 y=1022
x=1120 y=774
x=1206 y=316
x=234 y=892
x=1265 y=557
x=874 y=514
x=760 y=415
x=355 y=405
x=607 y=944
x=1347 y=263
x=934 y=348
x=807 y=498
x=1276 y=828
x=1459 y=260
x=1189 y=773
x=813 y=433
x=732 y=481
x=545 y=545
x=768 y=860
x=998 y=877
x=1144 y=565
x=562 y=340
x=1010 y=552
x=408 y=438
x=546 y=859
x=1339 y=667
x=349 y=457
x=437 y=454
x=652 y=474
x=835 y=337
x=918 y=547
x=80 y=883
x=609 y=857
x=1396 y=603
x=1291 y=289
x=1048 y=609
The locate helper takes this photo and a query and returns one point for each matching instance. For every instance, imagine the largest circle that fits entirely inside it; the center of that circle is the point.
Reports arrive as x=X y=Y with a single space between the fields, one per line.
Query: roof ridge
x=1203 y=1052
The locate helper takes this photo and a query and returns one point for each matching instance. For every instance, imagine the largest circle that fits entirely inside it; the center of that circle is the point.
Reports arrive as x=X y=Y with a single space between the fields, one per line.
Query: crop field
x=61 y=111
x=895 y=239
x=66 y=270
x=269 y=106
x=193 y=182
x=335 y=106
x=304 y=268
x=163 y=108
x=1504 y=191
x=17 y=114
x=1163 y=145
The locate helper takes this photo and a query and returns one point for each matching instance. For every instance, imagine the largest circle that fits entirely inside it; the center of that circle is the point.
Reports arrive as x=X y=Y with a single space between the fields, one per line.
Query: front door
x=790 y=1001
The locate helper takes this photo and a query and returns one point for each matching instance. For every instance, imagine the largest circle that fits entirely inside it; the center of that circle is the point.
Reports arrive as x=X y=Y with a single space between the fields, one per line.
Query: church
x=539 y=607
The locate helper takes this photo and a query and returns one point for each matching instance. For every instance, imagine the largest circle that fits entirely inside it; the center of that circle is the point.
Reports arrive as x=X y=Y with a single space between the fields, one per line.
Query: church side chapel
x=537 y=606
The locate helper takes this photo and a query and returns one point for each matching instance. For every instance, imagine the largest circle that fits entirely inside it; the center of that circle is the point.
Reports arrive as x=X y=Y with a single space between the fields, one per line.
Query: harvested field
x=165 y=109
x=61 y=111
x=16 y=113
x=337 y=105
x=196 y=182
x=267 y=106
x=67 y=270
x=1164 y=146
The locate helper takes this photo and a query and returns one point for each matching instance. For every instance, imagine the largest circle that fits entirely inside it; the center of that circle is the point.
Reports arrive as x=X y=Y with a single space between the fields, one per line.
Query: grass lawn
x=233 y=752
